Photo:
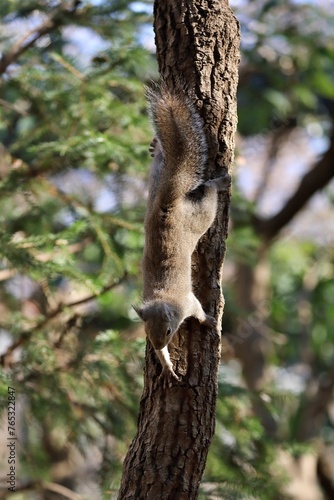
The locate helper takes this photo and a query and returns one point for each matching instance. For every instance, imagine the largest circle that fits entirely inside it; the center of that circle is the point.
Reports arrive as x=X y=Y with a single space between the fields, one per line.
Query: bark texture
x=197 y=48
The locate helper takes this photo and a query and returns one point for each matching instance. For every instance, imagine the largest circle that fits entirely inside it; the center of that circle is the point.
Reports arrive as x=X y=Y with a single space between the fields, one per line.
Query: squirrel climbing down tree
x=180 y=209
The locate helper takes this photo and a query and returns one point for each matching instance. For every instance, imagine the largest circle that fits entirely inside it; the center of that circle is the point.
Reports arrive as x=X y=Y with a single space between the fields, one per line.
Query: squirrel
x=181 y=207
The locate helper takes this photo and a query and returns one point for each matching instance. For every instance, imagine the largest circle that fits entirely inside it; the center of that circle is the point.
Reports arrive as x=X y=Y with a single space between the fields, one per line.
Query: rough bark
x=197 y=47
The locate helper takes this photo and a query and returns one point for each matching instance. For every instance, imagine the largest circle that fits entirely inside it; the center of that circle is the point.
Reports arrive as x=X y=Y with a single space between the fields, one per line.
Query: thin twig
x=314 y=180
x=44 y=485
x=29 y=39
x=13 y=107
x=62 y=490
x=26 y=335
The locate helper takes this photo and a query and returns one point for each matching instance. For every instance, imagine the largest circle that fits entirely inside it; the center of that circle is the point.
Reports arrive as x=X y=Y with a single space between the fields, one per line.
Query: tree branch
x=314 y=408
x=27 y=334
x=44 y=486
x=314 y=180
x=55 y=20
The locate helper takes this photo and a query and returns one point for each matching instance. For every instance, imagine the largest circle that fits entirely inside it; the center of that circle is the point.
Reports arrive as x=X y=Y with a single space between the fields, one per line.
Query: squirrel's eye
x=169 y=331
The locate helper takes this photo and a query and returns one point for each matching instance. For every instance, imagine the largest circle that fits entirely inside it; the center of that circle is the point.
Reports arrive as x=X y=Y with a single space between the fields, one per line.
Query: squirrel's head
x=161 y=322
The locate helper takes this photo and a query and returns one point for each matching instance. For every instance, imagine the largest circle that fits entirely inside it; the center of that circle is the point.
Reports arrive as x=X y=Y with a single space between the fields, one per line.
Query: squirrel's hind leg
x=221 y=183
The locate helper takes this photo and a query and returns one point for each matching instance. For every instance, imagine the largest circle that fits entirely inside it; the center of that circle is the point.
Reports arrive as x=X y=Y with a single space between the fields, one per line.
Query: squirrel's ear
x=140 y=311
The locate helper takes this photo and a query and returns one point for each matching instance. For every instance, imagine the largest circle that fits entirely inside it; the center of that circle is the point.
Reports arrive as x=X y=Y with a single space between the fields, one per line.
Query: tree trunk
x=197 y=47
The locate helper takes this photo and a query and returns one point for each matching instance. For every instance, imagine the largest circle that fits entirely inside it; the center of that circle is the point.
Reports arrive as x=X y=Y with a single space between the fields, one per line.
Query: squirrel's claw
x=167 y=375
x=152 y=147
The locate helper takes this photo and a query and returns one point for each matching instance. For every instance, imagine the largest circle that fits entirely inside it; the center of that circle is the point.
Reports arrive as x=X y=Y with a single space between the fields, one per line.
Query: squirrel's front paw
x=167 y=375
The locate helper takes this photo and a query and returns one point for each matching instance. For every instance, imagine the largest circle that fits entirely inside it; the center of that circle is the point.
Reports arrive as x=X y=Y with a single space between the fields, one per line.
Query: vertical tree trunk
x=197 y=46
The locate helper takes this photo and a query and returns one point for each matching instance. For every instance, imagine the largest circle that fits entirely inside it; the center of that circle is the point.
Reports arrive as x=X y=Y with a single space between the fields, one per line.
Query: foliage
x=242 y=460
x=289 y=76
x=74 y=133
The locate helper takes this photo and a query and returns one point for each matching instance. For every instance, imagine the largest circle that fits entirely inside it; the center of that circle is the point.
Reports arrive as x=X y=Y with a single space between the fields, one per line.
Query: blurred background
x=74 y=139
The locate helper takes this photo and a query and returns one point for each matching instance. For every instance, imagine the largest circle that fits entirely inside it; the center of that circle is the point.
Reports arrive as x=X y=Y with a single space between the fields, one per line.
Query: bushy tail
x=179 y=129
